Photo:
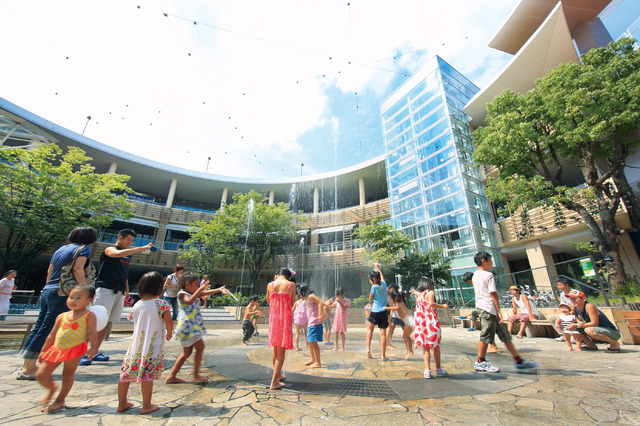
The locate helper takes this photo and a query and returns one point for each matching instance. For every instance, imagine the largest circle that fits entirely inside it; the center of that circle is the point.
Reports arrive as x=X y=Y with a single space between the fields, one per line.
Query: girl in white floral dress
x=143 y=361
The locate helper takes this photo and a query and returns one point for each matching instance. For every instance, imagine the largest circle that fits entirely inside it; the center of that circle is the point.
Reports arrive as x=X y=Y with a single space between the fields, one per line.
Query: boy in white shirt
x=484 y=287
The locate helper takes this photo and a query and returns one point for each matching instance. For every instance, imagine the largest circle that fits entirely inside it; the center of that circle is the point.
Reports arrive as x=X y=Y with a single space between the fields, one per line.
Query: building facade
x=436 y=192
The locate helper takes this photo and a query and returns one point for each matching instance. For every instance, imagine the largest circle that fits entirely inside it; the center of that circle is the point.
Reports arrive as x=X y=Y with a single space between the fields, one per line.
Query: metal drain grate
x=353 y=387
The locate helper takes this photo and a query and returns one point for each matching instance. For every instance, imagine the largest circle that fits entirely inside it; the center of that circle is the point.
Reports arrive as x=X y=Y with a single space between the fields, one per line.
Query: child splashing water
x=427 y=327
x=190 y=324
x=66 y=344
x=142 y=363
x=300 y=319
x=314 y=327
x=398 y=305
x=340 y=320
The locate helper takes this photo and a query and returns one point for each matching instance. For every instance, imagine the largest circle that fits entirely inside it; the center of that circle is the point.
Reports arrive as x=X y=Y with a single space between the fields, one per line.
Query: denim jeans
x=51 y=305
x=173 y=301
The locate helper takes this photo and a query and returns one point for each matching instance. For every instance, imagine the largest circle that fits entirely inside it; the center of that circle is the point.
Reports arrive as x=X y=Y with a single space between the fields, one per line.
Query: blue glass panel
x=433 y=146
x=426 y=96
x=403 y=177
x=440 y=174
x=407 y=204
x=436 y=130
x=398 y=118
x=447 y=205
x=426 y=109
x=430 y=119
x=391 y=134
x=449 y=222
x=444 y=189
x=394 y=109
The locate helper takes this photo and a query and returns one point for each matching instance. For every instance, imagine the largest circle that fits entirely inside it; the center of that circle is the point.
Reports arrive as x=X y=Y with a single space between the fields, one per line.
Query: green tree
x=46 y=193
x=579 y=120
x=416 y=265
x=382 y=243
x=249 y=221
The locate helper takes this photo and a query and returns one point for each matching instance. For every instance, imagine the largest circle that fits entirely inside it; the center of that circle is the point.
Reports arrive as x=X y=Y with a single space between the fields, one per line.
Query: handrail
x=605 y=295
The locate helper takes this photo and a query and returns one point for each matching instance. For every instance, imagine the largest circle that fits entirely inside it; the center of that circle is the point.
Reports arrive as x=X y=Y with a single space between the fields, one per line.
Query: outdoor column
x=225 y=193
x=316 y=200
x=113 y=167
x=172 y=193
x=272 y=196
x=543 y=268
x=628 y=254
x=361 y=189
x=507 y=271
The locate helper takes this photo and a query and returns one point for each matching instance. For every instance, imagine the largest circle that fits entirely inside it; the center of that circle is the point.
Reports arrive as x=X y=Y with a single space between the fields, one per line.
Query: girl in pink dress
x=427 y=327
x=300 y=319
x=340 y=319
x=280 y=296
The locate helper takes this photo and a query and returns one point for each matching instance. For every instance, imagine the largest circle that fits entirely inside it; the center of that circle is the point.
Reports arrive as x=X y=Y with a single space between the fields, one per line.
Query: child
x=427 y=327
x=394 y=320
x=314 y=326
x=327 y=320
x=378 y=316
x=484 y=288
x=190 y=324
x=66 y=344
x=300 y=319
x=252 y=309
x=281 y=295
x=142 y=363
x=565 y=318
x=400 y=309
x=340 y=320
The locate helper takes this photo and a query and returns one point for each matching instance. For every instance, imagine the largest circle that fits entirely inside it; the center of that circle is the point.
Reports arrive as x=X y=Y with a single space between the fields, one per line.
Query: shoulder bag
x=68 y=280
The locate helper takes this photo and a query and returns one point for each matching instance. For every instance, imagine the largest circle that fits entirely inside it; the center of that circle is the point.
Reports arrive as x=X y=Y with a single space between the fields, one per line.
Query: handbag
x=68 y=280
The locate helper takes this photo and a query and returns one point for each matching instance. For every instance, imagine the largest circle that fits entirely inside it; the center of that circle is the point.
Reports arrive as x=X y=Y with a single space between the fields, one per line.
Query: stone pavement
x=569 y=388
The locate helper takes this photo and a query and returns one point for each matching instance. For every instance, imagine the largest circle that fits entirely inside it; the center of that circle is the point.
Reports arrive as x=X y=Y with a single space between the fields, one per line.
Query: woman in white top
x=6 y=287
x=528 y=312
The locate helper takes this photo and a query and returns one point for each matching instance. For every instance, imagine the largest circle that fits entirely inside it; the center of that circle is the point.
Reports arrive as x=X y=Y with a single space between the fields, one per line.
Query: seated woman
x=593 y=324
x=528 y=312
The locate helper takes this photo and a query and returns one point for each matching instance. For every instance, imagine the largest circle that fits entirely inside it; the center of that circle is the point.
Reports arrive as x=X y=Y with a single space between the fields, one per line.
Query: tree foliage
x=382 y=243
x=46 y=193
x=567 y=141
x=416 y=265
x=249 y=221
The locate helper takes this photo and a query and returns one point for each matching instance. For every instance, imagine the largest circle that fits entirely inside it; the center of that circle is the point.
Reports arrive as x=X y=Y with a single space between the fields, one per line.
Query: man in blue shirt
x=379 y=316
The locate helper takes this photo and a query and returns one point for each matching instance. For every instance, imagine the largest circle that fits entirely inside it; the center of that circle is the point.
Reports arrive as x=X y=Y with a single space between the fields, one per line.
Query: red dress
x=427 y=326
x=280 y=319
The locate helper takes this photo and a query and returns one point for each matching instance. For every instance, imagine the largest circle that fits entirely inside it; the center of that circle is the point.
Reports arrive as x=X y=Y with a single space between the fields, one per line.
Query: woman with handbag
x=71 y=259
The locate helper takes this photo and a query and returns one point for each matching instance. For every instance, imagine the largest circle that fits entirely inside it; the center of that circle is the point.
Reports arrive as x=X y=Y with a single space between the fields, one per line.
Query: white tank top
x=523 y=307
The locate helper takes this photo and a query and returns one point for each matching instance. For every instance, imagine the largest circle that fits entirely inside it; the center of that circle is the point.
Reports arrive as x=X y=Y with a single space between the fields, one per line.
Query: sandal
x=612 y=350
x=22 y=376
x=587 y=348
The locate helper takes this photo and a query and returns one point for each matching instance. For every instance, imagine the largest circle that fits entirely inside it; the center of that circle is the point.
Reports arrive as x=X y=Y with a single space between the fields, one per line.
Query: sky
x=245 y=88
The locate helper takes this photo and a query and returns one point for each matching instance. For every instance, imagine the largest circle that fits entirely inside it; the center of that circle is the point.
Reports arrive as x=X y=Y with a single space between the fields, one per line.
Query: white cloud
x=165 y=88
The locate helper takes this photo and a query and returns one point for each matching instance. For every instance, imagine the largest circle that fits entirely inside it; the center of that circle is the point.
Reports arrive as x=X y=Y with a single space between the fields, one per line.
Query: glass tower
x=435 y=190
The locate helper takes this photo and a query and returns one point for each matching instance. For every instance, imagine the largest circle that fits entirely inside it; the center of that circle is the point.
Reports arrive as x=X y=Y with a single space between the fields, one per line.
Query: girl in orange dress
x=66 y=344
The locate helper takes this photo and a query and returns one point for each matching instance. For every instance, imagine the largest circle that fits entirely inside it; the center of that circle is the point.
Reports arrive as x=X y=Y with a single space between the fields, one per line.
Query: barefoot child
x=251 y=310
x=427 y=327
x=314 y=326
x=340 y=319
x=300 y=319
x=327 y=320
x=400 y=308
x=565 y=318
x=142 y=363
x=190 y=325
x=66 y=344
x=281 y=295
x=378 y=316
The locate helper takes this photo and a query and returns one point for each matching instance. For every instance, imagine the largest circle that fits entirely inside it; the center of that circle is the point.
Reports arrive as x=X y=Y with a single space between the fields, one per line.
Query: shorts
x=381 y=319
x=610 y=333
x=113 y=302
x=190 y=341
x=397 y=321
x=490 y=328
x=327 y=323
x=314 y=333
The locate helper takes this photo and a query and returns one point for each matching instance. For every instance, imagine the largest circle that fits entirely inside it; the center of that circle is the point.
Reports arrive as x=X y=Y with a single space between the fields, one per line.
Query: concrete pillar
x=314 y=247
x=541 y=262
x=225 y=194
x=172 y=193
x=590 y=35
x=272 y=196
x=629 y=255
x=361 y=191
x=113 y=167
x=507 y=270
x=316 y=200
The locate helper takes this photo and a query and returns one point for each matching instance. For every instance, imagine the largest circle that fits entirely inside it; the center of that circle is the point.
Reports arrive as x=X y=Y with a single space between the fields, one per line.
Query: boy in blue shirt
x=379 y=316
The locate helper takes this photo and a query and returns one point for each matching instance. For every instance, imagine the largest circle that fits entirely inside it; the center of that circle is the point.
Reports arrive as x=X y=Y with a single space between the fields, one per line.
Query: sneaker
x=100 y=357
x=256 y=334
x=471 y=329
x=486 y=366
x=328 y=343
x=441 y=372
x=560 y=339
x=85 y=361
x=525 y=365
x=427 y=374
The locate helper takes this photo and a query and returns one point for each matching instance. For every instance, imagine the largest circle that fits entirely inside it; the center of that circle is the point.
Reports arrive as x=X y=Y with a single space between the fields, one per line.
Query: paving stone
x=536 y=404
x=601 y=415
x=492 y=398
x=245 y=416
x=400 y=418
x=247 y=399
x=296 y=407
x=278 y=414
x=366 y=410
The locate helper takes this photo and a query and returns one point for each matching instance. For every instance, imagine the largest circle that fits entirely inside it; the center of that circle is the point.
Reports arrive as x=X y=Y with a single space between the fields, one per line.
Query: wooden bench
x=541 y=328
x=27 y=317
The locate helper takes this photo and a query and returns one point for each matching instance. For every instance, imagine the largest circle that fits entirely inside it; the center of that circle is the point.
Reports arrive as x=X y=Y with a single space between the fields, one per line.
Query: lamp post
x=301 y=166
x=86 y=124
x=207 y=170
